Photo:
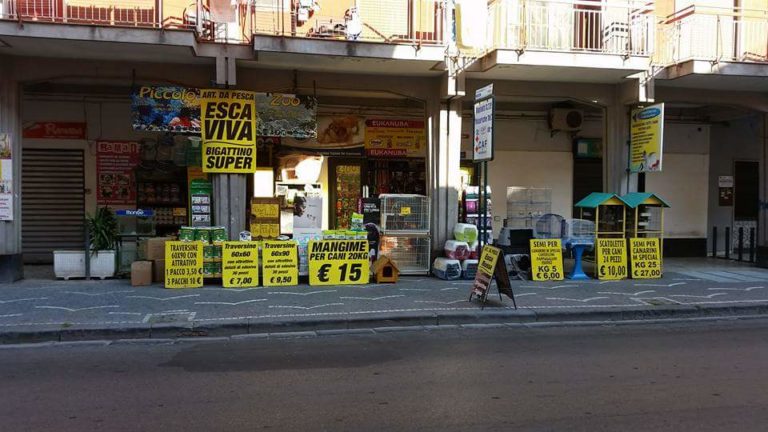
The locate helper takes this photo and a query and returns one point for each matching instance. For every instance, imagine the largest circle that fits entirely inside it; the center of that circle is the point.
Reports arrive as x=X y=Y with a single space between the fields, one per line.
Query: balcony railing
x=385 y=21
x=572 y=26
x=714 y=34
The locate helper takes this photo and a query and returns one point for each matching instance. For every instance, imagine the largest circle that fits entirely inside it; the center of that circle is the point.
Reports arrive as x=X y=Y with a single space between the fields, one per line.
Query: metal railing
x=130 y=13
x=385 y=21
x=572 y=26
x=714 y=34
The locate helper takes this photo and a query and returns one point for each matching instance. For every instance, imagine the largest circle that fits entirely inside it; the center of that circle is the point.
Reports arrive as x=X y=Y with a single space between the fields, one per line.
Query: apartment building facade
x=77 y=62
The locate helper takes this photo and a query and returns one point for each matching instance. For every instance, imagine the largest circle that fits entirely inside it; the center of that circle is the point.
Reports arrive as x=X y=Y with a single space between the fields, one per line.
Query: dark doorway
x=746 y=190
x=587 y=178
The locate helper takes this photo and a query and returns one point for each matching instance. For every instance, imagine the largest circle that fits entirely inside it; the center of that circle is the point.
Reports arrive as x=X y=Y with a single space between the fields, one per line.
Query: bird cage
x=608 y=213
x=579 y=232
x=646 y=215
x=549 y=226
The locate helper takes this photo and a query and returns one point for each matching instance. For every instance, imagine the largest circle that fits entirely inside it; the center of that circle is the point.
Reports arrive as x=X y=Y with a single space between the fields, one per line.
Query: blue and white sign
x=137 y=212
x=482 y=141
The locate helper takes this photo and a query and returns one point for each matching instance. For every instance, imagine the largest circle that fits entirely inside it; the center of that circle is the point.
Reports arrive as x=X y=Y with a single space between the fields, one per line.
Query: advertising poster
x=645 y=256
x=265 y=218
x=286 y=115
x=336 y=136
x=115 y=162
x=547 y=260
x=55 y=130
x=239 y=264
x=229 y=131
x=280 y=263
x=482 y=141
x=166 y=109
x=395 y=138
x=338 y=262
x=183 y=264
x=6 y=178
x=486 y=268
x=646 y=139
x=611 y=258
x=307 y=212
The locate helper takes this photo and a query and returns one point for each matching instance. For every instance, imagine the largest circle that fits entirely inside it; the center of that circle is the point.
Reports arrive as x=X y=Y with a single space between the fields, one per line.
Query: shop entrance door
x=345 y=184
x=52 y=203
x=587 y=178
x=746 y=197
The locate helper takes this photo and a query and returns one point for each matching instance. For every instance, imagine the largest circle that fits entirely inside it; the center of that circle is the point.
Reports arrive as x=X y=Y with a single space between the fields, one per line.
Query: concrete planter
x=71 y=264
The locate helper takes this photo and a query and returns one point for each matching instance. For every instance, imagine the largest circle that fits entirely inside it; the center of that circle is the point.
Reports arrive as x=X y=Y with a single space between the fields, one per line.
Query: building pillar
x=617 y=129
x=229 y=190
x=11 y=265
x=445 y=156
x=762 y=215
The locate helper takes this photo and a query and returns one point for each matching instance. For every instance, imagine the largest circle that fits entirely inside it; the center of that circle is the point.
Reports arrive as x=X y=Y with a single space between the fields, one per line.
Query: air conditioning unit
x=565 y=119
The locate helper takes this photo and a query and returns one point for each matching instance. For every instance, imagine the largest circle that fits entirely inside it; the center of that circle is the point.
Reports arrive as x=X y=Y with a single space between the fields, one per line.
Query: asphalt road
x=694 y=377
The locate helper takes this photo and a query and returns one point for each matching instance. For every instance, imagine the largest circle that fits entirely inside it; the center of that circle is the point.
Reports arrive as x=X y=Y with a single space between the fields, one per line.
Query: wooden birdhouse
x=385 y=270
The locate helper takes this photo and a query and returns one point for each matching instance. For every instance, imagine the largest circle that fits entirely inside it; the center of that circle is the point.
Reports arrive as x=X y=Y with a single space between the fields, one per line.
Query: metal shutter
x=52 y=203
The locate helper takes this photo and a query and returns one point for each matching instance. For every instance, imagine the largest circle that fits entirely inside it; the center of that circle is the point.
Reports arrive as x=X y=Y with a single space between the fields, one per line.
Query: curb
x=247 y=329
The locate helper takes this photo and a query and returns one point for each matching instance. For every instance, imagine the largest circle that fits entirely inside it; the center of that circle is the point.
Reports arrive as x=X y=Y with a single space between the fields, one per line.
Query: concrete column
x=762 y=218
x=444 y=166
x=229 y=190
x=11 y=267
x=617 y=178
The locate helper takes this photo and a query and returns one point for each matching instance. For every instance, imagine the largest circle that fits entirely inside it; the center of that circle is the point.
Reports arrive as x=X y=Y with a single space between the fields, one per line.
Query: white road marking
x=737 y=289
x=372 y=298
x=414 y=289
x=697 y=296
x=301 y=294
x=97 y=294
x=439 y=302
x=661 y=285
x=125 y=313
x=525 y=294
x=230 y=303
x=645 y=303
x=190 y=315
x=449 y=289
x=75 y=309
x=307 y=307
x=10 y=315
x=586 y=300
x=21 y=300
x=627 y=294
x=164 y=298
x=607 y=282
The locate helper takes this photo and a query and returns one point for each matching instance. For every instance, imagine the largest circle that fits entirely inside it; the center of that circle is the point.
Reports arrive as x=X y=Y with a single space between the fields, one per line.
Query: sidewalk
x=44 y=310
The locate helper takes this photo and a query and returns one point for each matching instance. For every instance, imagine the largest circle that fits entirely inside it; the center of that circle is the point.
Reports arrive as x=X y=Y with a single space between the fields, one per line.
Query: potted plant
x=103 y=234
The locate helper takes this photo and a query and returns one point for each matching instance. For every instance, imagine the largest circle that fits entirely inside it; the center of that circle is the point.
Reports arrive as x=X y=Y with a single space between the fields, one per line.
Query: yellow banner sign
x=239 y=264
x=647 y=139
x=395 y=138
x=486 y=268
x=645 y=255
x=183 y=264
x=547 y=260
x=280 y=260
x=611 y=259
x=229 y=131
x=338 y=262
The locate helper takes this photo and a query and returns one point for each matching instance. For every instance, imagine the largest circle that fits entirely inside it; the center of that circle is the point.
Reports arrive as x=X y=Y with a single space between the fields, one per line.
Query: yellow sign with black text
x=280 y=262
x=547 y=260
x=338 y=262
x=183 y=264
x=647 y=139
x=611 y=258
x=645 y=257
x=486 y=268
x=239 y=264
x=228 y=131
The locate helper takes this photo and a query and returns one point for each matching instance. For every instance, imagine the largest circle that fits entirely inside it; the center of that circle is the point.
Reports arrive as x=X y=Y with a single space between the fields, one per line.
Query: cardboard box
x=152 y=249
x=158 y=271
x=141 y=273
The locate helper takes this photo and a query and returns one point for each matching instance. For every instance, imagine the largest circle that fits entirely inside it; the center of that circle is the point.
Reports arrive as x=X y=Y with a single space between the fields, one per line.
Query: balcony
x=601 y=27
x=714 y=35
x=413 y=22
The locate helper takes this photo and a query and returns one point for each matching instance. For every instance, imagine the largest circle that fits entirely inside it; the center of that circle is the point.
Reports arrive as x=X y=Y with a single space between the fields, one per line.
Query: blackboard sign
x=371 y=210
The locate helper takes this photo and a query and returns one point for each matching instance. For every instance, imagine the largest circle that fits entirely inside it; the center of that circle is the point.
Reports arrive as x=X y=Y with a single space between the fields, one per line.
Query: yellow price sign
x=486 y=268
x=405 y=211
x=239 y=264
x=611 y=259
x=183 y=264
x=280 y=262
x=547 y=260
x=267 y=210
x=645 y=256
x=338 y=262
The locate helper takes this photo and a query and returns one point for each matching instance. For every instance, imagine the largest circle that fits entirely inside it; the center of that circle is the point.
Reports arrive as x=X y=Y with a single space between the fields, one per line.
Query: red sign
x=115 y=161
x=383 y=153
x=55 y=130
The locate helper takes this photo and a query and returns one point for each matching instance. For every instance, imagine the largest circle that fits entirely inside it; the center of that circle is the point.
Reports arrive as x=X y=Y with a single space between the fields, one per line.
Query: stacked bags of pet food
x=461 y=255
